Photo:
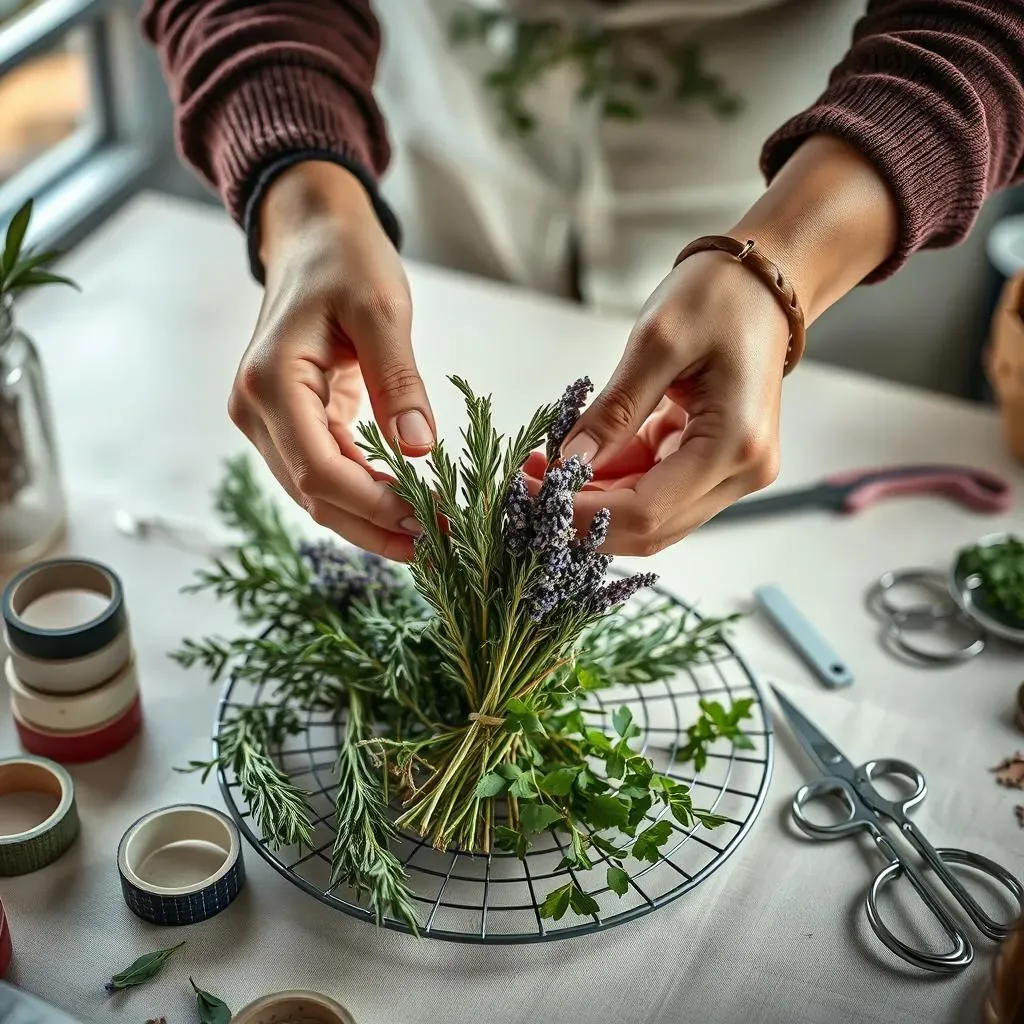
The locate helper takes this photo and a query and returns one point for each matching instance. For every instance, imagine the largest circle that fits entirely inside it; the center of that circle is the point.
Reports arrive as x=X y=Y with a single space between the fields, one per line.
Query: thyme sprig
x=460 y=686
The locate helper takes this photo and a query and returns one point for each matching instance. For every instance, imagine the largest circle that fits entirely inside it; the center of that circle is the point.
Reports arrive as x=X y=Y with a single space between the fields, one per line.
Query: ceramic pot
x=1004 y=362
x=293 y=1008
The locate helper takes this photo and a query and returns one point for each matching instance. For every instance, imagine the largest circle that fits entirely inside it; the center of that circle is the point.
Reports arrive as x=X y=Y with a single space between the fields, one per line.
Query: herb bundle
x=461 y=683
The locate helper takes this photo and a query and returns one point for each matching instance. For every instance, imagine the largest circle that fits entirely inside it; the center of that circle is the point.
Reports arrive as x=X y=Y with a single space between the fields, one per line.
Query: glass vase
x=32 y=506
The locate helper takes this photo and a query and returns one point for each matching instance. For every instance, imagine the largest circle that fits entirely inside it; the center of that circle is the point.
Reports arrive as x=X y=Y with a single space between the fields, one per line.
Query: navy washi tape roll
x=51 y=577
x=180 y=864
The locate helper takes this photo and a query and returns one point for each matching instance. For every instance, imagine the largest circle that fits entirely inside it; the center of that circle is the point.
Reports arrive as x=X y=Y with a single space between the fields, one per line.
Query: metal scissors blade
x=828 y=758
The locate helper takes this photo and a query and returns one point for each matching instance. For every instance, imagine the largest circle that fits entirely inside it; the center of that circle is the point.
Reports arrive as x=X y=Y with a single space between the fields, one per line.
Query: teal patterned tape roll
x=22 y=852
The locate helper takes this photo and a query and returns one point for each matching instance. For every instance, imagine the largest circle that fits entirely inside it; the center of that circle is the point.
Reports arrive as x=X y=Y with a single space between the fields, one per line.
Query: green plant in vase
x=31 y=501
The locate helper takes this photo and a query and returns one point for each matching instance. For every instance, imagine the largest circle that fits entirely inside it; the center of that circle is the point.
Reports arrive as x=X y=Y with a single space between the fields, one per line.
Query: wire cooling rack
x=496 y=898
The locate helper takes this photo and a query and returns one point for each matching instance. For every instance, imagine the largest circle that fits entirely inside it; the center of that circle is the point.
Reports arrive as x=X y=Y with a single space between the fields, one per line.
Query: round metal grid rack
x=496 y=897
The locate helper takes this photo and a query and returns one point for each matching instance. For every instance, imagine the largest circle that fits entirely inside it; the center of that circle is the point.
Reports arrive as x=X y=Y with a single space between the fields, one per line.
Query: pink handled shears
x=977 y=489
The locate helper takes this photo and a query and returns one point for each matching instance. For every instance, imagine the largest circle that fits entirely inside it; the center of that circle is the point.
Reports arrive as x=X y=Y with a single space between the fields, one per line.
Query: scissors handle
x=976 y=489
x=960 y=954
x=937 y=861
x=831 y=786
x=897 y=811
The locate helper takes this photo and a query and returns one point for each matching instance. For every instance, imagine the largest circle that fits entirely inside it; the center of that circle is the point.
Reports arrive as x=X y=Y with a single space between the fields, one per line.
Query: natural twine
x=487 y=720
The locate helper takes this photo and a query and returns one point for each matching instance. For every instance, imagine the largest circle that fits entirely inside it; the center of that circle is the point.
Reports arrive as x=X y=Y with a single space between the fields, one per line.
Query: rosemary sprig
x=278 y=807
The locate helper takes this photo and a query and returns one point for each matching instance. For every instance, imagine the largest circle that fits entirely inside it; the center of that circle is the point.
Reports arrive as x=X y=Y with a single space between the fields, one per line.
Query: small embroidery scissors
x=866 y=808
x=976 y=489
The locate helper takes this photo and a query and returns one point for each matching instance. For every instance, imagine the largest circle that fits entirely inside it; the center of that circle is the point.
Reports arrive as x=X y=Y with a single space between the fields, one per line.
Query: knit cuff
x=269 y=119
x=250 y=215
x=934 y=166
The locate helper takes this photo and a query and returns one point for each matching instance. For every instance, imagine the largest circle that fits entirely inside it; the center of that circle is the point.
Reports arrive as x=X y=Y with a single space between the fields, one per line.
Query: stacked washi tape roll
x=74 y=690
x=34 y=848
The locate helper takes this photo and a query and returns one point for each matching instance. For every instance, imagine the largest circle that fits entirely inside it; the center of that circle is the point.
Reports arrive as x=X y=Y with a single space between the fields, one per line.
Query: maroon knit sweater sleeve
x=258 y=85
x=932 y=92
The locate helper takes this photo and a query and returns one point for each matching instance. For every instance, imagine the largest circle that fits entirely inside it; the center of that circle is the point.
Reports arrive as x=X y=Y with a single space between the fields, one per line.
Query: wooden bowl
x=1004 y=1001
x=296 y=1007
x=1004 y=362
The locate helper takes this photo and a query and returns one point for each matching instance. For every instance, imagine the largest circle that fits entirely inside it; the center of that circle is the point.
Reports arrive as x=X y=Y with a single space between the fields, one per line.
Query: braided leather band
x=750 y=256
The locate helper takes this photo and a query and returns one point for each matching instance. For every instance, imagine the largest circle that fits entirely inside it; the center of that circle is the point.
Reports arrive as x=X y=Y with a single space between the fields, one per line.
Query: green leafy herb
x=714 y=724
x=1001 y=570
x=211 y=1010
x=618 y=881
x=142 y=970
x=20 y=267
x=461 y=684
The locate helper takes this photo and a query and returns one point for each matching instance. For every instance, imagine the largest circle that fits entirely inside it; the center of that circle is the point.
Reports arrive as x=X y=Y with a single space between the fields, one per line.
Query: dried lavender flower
x=347 y=575
x=598 y=532
x=569 y=406
x=518 y=514
x=620 y=591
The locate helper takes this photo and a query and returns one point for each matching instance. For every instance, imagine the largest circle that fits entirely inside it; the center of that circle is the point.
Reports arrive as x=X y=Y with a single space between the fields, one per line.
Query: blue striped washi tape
x=22 y=852
x=180 y=864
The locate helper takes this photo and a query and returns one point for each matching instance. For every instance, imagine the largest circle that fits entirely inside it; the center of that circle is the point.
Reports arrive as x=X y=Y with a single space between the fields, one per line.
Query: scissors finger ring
x=916 y=616
x=896 y=636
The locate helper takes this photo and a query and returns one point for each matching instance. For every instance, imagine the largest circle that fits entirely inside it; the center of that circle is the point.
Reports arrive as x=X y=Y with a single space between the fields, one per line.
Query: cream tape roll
x=75 y=675
x=73 y=712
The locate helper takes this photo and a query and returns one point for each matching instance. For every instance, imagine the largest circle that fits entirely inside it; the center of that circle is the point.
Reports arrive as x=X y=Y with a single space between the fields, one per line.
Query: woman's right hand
x=336 y=316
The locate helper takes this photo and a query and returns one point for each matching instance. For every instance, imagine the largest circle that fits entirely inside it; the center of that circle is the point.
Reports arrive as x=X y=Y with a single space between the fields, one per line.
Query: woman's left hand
x=689 y=421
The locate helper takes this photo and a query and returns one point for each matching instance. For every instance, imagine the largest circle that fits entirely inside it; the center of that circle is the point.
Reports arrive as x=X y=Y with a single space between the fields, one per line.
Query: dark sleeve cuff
x=266 y=176
x=934 y=165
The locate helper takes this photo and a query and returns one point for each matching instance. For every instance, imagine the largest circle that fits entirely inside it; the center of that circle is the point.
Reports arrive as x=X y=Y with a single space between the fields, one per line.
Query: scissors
x=866 y=808
x=977 y=489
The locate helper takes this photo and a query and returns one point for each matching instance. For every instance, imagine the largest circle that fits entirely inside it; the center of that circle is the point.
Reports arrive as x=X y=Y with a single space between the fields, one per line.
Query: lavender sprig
x=347 y=575
x=569 y=407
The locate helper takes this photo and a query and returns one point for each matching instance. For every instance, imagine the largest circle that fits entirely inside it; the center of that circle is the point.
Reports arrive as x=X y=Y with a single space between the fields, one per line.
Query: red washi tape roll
x=78 y=747
x=6 y=946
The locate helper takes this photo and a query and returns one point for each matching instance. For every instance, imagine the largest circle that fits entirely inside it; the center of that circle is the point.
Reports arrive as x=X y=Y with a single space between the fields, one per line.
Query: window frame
x=82 y=179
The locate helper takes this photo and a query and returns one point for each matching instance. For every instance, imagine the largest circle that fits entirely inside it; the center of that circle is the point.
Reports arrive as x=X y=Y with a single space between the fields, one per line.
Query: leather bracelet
x=750 y=256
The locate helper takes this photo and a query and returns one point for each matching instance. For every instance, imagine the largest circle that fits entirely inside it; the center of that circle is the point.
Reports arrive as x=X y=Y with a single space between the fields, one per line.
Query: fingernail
x=410 y=525
x=583 y=446
x=414 y=429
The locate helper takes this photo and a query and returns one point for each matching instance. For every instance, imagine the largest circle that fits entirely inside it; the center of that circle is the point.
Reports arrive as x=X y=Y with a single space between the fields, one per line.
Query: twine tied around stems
x=489 y=721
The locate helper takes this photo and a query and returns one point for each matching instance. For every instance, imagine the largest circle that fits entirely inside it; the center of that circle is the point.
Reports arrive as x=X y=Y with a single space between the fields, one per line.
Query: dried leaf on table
x=211 y=1010
x=146 y=967
x=1011 y=772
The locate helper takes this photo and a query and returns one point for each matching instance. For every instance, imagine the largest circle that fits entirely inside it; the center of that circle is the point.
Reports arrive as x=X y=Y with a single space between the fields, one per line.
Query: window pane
x=46 y=103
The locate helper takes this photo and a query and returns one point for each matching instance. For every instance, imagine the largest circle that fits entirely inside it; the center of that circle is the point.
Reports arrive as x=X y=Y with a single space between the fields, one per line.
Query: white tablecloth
x=140 y=367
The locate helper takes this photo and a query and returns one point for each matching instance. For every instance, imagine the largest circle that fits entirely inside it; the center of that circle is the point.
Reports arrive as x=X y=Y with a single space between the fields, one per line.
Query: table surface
x=139 y=367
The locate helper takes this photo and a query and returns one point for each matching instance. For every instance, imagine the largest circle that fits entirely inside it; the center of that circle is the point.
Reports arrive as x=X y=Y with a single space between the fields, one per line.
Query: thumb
x=383 y=344
x=644 y=374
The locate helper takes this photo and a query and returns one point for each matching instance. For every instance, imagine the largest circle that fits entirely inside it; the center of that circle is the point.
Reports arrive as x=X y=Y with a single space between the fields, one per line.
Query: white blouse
x=631 y=194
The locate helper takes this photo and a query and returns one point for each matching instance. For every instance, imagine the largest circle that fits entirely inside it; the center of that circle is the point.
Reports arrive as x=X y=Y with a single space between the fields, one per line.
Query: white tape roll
x=75 y=675
x=74 y=712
